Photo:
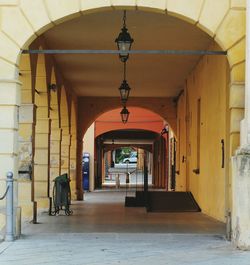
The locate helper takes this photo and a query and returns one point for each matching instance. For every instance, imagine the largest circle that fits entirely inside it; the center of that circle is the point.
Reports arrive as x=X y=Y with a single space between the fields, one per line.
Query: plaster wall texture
x=204 y=152
x=181 y=135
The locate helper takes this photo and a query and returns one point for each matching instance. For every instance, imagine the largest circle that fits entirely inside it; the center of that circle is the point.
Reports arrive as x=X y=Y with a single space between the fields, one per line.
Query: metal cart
x=62 y=195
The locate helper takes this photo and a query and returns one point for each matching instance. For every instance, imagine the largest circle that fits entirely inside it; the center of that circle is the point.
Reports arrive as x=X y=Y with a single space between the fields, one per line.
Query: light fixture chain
x=124 y=19
x=124 y=71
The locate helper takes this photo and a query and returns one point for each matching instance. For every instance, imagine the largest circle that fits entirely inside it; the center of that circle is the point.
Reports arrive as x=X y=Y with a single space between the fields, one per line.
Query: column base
x=241 y=198
x=9 y=238
x=79 y=195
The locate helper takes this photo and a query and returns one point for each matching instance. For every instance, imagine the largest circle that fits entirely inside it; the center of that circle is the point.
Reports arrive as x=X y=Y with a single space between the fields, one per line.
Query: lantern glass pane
x=123 y=94
x=124 y=46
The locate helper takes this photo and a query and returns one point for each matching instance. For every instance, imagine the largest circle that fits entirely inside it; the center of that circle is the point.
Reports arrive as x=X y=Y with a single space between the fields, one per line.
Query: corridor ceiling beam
x=163 y=52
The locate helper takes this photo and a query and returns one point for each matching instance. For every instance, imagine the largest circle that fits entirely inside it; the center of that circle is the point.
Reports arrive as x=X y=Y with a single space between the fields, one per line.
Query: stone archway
x=23 y=22
x=164 y=107
x=141 y=123
x=139 y=119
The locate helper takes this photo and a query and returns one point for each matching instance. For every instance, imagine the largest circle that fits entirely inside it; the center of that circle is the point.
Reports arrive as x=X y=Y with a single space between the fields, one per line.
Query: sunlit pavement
x=136 y=176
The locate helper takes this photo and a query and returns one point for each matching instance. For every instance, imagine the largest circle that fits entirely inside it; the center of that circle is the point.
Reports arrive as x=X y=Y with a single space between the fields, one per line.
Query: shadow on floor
x=104 y=212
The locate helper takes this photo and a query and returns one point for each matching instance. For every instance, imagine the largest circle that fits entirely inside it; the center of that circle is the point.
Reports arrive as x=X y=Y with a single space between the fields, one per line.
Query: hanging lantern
x=124 y=88
x=124 y=91
x=124 y=41
x=124 y=114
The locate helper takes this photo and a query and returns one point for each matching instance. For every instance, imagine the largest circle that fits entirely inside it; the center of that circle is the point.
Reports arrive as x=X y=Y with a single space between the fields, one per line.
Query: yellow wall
x=209 y=83
x=89 y=146
x=181 y=144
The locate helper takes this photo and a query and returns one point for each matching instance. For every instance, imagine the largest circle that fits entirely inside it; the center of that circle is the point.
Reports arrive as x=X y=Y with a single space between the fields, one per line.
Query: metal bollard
x=9 y=208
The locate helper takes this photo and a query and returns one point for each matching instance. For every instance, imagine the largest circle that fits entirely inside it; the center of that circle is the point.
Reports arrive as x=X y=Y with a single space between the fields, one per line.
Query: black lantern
x=124 y=88
x=124 y=91
x=124 y=114
x=124 y=41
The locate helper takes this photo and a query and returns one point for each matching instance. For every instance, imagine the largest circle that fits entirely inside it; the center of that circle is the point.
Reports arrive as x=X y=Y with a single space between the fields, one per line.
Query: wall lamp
x=52 y=87
x=164 y=130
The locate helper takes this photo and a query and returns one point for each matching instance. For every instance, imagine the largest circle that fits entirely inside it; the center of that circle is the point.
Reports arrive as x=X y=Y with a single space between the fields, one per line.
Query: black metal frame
x=162 y=52
x=61 y=205
x=1 y=198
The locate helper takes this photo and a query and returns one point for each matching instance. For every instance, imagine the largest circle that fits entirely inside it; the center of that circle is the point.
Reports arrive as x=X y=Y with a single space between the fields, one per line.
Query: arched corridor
x=50 y=100
x=57 y=93
x=141 y=133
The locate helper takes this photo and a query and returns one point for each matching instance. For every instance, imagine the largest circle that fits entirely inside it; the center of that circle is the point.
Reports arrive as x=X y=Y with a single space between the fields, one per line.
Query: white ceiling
x=147 y=75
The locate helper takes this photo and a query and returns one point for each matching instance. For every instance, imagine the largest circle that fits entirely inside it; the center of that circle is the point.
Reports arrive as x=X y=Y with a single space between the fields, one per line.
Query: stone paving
x=121 y=248
x=102 y=231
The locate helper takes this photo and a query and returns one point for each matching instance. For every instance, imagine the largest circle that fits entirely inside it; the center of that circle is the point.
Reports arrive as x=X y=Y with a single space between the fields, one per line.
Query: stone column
x=140 y=158
x=42 y=136
x=55 y=138
x=241 y=165
x=79 y=150
x=245 y=124
x=27 y=116
x=247 y=77
x=26 y=157
x=41 y=161
x=55 y=155
x=73 y=147
x=65 y=151
x=42 y=146
x=9 y=105
x=73 y=167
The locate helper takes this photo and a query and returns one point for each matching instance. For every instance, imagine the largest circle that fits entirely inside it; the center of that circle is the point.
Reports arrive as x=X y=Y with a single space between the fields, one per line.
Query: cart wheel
x=68 y=212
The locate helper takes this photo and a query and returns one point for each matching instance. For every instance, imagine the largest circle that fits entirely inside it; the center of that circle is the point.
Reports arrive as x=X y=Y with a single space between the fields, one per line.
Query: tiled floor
x=103 y=231
x=104 y=212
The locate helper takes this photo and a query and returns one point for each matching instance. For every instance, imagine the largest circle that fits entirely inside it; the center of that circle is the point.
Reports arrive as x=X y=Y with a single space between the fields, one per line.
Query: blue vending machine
x=85 y=171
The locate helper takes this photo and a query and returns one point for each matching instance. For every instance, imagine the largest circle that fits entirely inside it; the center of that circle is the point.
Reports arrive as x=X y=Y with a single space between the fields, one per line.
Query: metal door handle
x=222 y=153
x=196 y=171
